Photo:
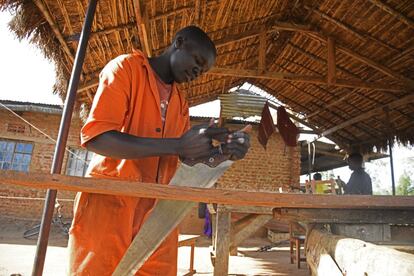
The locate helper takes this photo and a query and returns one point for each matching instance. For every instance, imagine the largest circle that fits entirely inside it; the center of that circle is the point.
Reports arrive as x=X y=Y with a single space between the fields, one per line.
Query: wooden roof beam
x=246 y=73
x=393 y=12
x=374 y=64
x=403 y=101
x=141 y=16
x=55 y=28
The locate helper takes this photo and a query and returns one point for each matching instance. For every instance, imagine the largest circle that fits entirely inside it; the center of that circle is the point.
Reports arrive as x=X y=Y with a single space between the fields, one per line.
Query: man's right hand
x=197 y=142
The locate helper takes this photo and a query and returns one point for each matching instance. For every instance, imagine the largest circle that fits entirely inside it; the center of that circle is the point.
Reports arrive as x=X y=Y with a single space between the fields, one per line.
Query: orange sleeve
x=110 y=103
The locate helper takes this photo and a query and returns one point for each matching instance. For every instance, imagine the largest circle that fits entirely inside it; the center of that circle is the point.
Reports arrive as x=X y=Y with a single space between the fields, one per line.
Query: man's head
x=355 y=161
x=317 y=176
x=192 y=53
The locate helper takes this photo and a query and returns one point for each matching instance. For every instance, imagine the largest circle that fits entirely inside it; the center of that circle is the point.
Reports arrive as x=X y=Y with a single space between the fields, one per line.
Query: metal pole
x=392 y=167
x=48 y=209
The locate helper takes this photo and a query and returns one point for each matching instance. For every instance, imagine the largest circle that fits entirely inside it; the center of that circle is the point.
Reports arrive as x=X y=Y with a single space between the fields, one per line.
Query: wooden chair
x=189 y=240
x=295 y=242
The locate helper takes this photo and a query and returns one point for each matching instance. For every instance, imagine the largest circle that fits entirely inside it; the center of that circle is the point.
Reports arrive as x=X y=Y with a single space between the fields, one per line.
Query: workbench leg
x=222 y=243
x=192 y=258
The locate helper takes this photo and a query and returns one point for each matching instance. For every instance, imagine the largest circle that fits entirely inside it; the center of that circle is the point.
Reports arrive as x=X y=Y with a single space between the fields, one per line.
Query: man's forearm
x=125 y=146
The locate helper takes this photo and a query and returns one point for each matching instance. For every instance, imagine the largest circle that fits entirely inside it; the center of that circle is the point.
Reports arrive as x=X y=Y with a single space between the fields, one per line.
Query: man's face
x=190 y=60
x=354 y=164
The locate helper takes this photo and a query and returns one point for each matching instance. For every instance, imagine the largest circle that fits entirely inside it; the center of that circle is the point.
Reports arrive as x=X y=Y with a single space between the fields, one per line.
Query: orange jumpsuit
x=127 y=100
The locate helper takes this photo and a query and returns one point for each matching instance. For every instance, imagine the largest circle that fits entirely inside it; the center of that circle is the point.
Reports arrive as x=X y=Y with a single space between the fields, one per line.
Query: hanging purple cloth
x=208 y=231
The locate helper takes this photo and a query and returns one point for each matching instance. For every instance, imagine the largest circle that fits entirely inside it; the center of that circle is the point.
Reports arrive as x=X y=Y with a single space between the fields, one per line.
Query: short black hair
x=317 y=176
x=194 y=32
x=356 y=156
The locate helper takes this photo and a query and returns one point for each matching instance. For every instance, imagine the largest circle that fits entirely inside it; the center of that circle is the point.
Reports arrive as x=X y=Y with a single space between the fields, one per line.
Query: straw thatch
x=255 y=38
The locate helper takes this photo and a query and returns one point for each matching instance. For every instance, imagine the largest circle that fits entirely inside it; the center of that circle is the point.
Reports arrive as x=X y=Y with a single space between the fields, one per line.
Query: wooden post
x=331 y=61
x=262 y=52
x=222 y=246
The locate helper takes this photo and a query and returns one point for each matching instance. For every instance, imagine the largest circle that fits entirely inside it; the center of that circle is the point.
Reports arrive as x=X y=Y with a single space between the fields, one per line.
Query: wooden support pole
x=262 y=52
x=141 y=16
x=331 y=62
x=197 y=11
x=230 y=197
x=356 y=257
x=221 y=266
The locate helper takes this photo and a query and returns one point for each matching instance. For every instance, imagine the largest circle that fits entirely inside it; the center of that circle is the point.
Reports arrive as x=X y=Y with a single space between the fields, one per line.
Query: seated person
x=319 y=187
x=360 y=182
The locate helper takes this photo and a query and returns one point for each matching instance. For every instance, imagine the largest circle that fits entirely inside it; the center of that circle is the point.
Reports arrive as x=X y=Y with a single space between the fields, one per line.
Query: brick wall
x=27 y=203
x=264 y=170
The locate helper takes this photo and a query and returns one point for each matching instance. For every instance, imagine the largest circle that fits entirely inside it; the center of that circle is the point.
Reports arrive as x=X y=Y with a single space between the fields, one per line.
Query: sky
x=25 y=75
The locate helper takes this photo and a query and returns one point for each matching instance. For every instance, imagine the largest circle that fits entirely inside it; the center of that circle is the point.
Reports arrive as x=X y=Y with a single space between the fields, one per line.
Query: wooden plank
x=356 y=257
x=368 y=114
x=331 y=62
x=393 y=12
x=166 y=215
x=246 y=73
x=221 y=263
x=401 y=216
x=222 y=196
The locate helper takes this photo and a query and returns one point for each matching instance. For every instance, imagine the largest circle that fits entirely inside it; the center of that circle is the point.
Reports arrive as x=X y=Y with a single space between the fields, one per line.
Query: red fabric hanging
x=266 y=126
x=287 y=129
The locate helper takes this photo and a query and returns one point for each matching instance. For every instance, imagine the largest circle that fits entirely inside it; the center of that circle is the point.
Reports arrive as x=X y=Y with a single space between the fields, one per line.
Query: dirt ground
x=17 y=254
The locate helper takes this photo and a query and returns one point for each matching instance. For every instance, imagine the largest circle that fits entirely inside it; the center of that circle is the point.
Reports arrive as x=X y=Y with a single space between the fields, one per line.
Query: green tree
x=405 y=185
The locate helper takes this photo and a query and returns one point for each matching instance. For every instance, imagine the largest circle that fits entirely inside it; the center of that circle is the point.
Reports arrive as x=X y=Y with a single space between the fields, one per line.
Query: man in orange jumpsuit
x=138 y=127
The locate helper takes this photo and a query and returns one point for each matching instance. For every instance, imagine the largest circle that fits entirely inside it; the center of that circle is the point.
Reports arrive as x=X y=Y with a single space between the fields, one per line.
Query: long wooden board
x=221 y=196
x=166 y=215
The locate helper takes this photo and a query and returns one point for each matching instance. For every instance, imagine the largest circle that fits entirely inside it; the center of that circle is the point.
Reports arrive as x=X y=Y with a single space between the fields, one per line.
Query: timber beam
x=282 y=76
x=221 y=196
x=319 y=216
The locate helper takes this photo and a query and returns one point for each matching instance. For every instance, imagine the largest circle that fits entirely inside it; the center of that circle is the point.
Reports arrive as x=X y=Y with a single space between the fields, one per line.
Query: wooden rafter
x=393 y=12
x=55 y=28
x=141 y=16
x=246 y=73
x=403 y=101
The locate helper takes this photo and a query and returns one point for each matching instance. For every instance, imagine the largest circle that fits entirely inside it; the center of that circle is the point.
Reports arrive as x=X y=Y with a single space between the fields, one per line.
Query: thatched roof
x=279 y=46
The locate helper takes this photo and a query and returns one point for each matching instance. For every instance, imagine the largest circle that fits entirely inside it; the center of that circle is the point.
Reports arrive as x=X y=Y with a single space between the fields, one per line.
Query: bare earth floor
x=17 y=253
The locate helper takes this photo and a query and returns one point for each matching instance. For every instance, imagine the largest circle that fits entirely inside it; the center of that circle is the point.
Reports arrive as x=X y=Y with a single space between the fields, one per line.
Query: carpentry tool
x=167 y=214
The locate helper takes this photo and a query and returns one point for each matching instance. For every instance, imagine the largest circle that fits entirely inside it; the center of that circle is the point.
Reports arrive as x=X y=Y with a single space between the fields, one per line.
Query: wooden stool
x=189 y=240
x=296 y=241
